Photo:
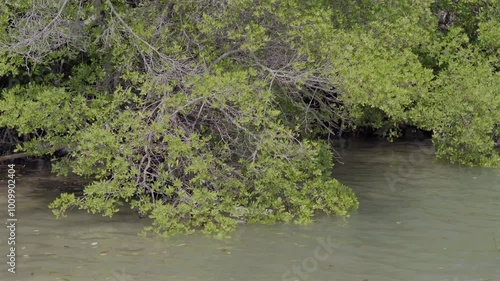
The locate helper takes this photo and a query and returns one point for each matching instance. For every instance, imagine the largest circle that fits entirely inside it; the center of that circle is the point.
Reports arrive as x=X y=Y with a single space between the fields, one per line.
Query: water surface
x=418 y=220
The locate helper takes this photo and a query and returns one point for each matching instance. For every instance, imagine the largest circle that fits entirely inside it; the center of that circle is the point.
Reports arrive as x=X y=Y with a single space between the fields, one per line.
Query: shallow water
x=418 y=220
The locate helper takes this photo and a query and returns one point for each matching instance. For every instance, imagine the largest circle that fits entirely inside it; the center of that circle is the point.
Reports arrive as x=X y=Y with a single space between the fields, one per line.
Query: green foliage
x=201 y=114
x=463 y=110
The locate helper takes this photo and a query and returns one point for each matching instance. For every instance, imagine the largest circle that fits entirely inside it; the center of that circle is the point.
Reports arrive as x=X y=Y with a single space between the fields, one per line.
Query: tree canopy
x=201 y=114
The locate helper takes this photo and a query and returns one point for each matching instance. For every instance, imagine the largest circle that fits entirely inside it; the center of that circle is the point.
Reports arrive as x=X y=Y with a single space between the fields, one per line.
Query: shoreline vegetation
x=189 y=110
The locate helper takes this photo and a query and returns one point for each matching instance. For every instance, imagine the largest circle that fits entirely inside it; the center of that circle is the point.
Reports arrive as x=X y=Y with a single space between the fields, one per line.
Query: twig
x=113 y=11
x=223 y=56
x=49 y=24
x=13 y=156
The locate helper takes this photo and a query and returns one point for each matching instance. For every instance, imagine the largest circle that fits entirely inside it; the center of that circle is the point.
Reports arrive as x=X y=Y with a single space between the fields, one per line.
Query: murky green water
x=418 y=220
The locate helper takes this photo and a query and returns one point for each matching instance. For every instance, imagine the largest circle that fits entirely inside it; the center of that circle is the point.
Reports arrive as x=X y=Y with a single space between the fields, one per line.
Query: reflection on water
x=418 y=220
